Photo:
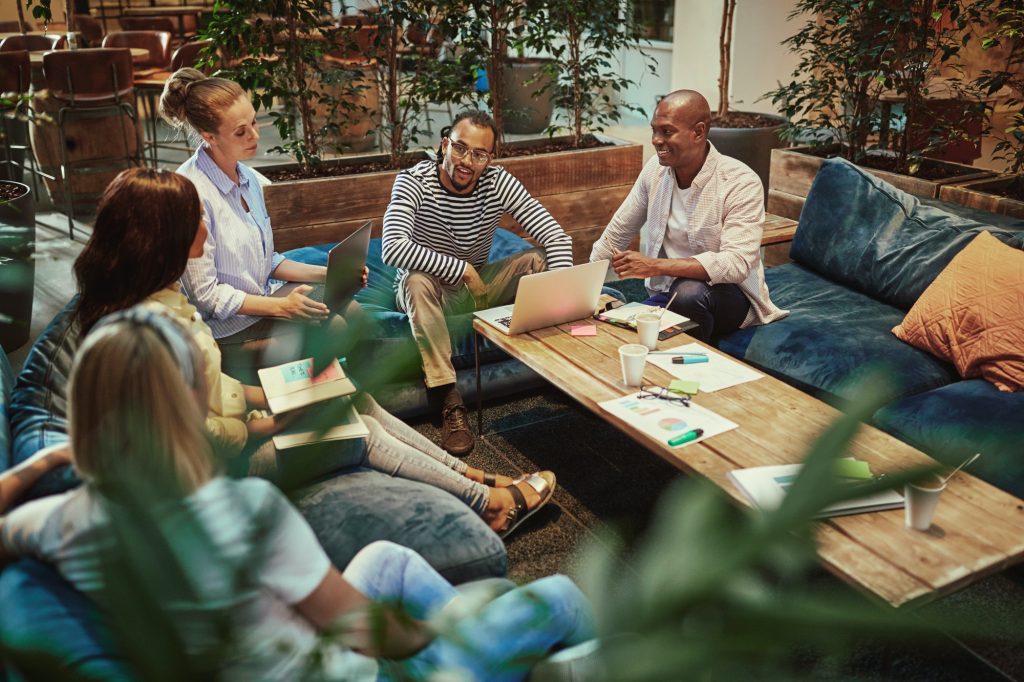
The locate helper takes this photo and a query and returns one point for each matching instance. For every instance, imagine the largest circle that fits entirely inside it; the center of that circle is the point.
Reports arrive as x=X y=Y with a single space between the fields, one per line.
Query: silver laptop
x=550 y=298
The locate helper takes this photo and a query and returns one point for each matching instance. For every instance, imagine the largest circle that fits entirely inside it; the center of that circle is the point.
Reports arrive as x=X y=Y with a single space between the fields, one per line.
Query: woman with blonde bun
x=235 y=281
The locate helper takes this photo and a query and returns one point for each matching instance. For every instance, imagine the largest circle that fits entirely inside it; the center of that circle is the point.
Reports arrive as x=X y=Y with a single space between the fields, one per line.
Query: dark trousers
x=717 y=309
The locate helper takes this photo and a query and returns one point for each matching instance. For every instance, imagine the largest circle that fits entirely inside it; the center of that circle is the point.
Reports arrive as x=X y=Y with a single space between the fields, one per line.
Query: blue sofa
x=863 y=253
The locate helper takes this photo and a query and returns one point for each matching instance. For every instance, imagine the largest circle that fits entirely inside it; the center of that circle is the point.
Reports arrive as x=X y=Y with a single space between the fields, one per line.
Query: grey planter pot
x=752 y=146
x=524 y=112
x=17 y=268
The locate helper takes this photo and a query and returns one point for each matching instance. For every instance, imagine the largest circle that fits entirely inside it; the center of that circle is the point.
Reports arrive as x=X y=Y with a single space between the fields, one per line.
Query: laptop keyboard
x=505 y=322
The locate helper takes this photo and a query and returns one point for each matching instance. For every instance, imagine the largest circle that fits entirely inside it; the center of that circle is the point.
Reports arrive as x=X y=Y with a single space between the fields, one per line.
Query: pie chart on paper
x=672 y=424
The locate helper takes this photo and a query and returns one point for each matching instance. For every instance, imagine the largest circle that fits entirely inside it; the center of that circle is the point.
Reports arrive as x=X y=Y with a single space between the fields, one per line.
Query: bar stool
x=91 y=29
x=153 y=85
x=33 y=43
x=14 y=26
x=91 y=87
x=15 y=77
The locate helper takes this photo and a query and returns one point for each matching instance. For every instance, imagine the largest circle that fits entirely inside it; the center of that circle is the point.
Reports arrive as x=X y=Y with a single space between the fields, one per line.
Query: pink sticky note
x=584 y=330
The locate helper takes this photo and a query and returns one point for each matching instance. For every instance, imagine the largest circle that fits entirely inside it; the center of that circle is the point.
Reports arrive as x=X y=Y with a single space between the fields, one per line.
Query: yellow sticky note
x=853 y=468
x=687 y=386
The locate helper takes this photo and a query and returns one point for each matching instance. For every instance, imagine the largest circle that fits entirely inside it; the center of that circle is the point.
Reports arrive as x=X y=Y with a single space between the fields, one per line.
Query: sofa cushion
x=830 y=336
x=953 y=422
x=348 y=512
x=44 y=614
x=973 y=314
x=862 y=232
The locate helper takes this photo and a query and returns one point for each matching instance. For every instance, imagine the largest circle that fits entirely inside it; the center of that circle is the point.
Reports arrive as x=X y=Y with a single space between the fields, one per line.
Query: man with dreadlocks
x=438 y=231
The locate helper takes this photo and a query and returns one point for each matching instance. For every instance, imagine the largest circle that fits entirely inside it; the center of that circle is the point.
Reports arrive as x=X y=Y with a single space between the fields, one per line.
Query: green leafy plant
x=1008 y=20
x=280 y=57
x=852 y=52
x=591 y=36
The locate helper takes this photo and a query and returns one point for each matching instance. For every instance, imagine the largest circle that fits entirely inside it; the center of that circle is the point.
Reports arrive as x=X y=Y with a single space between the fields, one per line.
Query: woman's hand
x=298 y=305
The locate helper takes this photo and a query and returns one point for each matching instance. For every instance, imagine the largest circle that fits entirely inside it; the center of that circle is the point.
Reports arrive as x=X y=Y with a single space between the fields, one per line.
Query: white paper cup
x=647 y=326
x=920 y=500
x=633 y=357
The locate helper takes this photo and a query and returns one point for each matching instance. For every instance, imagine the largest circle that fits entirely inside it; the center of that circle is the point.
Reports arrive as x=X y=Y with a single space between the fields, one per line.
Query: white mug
x=920 y=500
x=633 y=357
x=647 y=326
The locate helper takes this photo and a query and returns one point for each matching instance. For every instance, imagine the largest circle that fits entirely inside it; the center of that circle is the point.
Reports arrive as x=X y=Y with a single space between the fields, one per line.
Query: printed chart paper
x=663 y=420
x=717 y=373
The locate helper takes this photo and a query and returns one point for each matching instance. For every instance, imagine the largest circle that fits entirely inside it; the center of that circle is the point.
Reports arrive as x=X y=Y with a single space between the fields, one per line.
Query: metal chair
x=92 y=30
x=92 y=83
x=149 y=76
x=15 y=77
x=33 y=43
x=13 y=26
x=149 y=24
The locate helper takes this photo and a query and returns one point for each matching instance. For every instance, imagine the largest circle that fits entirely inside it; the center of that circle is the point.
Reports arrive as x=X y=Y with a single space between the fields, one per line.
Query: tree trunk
x=496 y=75
x=725 y=56
x=575 y=54
x=302 y=88
x=393 y=96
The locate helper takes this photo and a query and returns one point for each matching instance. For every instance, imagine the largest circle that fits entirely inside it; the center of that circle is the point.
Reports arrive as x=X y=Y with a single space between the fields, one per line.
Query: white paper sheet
x=720 y=371
x=664 y=419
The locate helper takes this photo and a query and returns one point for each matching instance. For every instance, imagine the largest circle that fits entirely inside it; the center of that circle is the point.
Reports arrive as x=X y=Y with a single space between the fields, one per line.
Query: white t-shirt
x=255 y=533
x=677 y=229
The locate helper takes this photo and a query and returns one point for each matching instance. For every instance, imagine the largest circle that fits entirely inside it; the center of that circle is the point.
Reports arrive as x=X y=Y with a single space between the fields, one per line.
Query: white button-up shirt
x=725 y=220
x=239 y=253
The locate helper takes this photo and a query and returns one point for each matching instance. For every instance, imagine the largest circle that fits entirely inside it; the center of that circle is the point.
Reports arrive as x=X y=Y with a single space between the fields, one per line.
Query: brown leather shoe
x=456 y=437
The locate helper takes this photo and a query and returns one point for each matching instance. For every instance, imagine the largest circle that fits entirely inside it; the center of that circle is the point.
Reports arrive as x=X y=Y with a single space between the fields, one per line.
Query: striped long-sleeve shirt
x=429 y=229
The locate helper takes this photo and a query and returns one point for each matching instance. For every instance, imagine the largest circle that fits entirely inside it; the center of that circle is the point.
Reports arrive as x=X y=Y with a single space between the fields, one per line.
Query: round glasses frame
x=478 y=156
x=662 y=393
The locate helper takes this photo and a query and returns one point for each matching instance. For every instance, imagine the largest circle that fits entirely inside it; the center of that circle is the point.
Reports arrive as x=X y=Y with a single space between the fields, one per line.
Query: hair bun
x=175 y=95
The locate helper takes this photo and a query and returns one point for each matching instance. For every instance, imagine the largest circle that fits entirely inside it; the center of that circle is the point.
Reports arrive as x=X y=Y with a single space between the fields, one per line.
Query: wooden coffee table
x=979 y=529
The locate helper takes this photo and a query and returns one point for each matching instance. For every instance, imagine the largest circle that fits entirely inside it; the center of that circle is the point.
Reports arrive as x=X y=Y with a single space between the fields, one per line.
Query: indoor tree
x=589 y=38
x=1008 y=22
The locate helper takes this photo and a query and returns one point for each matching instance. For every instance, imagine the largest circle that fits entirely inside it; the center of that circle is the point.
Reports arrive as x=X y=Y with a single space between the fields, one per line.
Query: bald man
x=700 y=216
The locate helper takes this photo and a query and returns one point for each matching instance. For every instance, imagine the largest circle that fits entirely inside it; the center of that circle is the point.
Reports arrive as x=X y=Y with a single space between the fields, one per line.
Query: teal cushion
x=830 y=337
x=861 y=232
x=953 y=422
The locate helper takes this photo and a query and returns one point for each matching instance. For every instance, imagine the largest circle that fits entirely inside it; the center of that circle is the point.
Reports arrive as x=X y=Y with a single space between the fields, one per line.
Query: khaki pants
x=428 y=301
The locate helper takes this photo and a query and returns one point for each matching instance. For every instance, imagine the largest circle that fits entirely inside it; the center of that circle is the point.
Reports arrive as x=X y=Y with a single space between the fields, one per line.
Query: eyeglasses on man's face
x=459 y=150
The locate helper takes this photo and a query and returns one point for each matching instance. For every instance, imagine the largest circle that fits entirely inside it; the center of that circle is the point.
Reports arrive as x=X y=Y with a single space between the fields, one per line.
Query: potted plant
x=747 y=136
x=864 y=57
x=1005 y=193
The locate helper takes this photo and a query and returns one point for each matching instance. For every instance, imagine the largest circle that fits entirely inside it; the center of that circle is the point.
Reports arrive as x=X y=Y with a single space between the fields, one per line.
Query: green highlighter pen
x=686 y=437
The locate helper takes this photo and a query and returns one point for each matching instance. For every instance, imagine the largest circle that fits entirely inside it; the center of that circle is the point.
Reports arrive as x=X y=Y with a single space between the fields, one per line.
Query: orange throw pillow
x=973 y=314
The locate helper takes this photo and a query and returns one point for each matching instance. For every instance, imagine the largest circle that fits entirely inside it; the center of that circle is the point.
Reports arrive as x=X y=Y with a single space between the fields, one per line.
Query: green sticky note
x=686 y=386
x=852 y=468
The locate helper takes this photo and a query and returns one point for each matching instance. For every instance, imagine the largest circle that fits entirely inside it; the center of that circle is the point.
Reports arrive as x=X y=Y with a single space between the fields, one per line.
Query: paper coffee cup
x=633 y=357
x=920 y=500
x=647 y=326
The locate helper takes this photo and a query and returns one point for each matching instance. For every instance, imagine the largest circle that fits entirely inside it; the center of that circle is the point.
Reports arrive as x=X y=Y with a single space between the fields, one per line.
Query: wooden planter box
x=793 y=171
x=581 y=188
x=978 y=194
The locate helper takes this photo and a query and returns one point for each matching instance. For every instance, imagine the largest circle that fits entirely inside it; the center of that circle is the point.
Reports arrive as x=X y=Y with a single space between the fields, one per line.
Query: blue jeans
x=717 y=309
x=498 y=643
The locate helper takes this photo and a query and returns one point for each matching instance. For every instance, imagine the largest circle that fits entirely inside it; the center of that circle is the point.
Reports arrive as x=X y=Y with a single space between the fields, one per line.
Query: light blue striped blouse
x=239 y=254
